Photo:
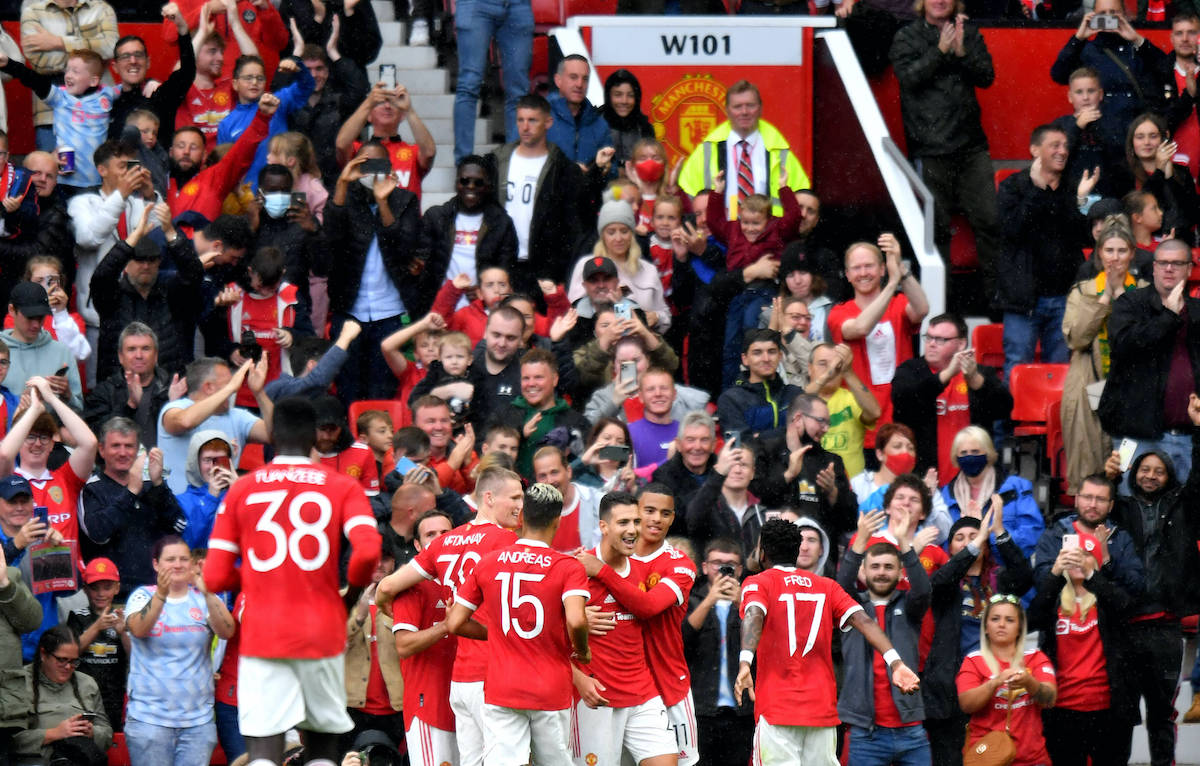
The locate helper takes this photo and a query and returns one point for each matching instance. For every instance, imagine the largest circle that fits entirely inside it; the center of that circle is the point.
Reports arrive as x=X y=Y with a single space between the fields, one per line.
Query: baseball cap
x=599 y=265
x=146 y=250
x=11 y=486
x=30 y=299
x=99 y=569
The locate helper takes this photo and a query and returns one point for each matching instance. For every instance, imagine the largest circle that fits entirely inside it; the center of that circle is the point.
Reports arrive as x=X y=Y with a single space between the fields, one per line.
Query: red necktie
x=745 y=173
x=122 y=229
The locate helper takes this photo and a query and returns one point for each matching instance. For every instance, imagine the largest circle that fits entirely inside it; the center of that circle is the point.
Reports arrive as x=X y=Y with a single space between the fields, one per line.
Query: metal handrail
x=914 y=179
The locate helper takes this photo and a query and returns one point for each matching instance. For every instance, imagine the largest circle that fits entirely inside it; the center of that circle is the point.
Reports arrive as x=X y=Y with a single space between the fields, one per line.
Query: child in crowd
x=451 y=366
x=463 y=314
x=791 y=318
x=1095 y=139
x=1145 y=218
x=103 y=639
x=375 y=429
x=296 y=153
x=501 y=438
x=81 y=110
x=425 y=335
x=337 y=448
x=668 y=212
x=409 y=442
x=152 y=155
x=797 y=279
x=210 y=473
x=647 y=171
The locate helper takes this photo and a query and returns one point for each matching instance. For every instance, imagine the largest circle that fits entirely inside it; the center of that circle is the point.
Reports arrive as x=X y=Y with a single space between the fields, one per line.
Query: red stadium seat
x=1036 y=389
x=392 y=407
x=118 y=754
x=988 y=342
x=1003 y=173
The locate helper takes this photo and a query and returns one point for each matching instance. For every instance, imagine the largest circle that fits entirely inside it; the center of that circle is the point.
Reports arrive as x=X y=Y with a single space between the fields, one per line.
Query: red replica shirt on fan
x=795 y=684
x=953 y=415
x=1026 y=728
x=524 y=587
x=886 y=712
x=663 y=633
x=619 y=657
x=876 y=356
x=1083 y=680
x=405 y=162
x=426 y=674
x=286 y=520
x=58 y=490
x=204 y=109
x=262 y=315
x=448 y=560
x=358 y=462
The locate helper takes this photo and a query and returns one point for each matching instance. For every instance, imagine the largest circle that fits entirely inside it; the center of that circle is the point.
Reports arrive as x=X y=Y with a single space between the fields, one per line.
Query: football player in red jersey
x=660 y=601
x=535 y=599
x=426 y=651
x=791 y=614
x=448 y=560
x=620 y=708
x=285 y=521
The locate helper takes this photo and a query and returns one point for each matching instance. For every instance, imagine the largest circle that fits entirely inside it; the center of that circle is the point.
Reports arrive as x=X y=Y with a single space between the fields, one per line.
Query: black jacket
x=943 y=661
x=1100 y=144
x=1043 y=235
x=123 y=527
x=1122 y=98
x=110 y=399
x=1141 y=334
x=937 y=90
x=349 y=230
x=53 y=235
x=358 y=35
x=1170 y=561
x=562 y=210
x=756 y=409
x=496 y=245
x=702 y=650
x=345 y=89
x=708 y=516
x=164 y=102
x=171 y=309
x=802 y=493
x=915 y=390
x=683 y=483
x=1176 y=195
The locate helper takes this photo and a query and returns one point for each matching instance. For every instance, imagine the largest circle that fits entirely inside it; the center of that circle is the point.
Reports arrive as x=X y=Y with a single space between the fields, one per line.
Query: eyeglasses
x=733 y=564
x=1094 y=498
x=822 y=421
x=1172 y=264
x=937 y=340
x=798 y=317
x=5 y=362
x=1004 y=598
x=38 y=439
x=252 y=78
x=72 y=662
x=138 y=56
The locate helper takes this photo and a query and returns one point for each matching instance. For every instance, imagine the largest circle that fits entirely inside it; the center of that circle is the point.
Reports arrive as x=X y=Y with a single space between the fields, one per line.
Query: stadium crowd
x=605 y=457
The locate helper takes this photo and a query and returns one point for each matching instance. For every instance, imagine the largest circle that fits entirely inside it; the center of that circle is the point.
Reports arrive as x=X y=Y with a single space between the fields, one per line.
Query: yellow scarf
x=1101 y=283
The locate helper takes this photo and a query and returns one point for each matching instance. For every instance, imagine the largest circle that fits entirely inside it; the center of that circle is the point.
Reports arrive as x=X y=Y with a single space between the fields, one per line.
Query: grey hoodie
x=194 y=478
x=44 y=356
x=809 y=521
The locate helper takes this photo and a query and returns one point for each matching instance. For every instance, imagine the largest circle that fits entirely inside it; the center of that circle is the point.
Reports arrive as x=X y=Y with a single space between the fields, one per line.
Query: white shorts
x=275 y=695
x=516 y=737
x=682 y=716
x=794 y=745
x=429 y=745
x=466 y=700
x=598 y=736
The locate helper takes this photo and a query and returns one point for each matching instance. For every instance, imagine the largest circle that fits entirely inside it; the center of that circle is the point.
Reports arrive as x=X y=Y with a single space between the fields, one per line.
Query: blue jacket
x=291 y=99
x=200 y=510
x=578 y=137
x=1022 y=516
x=1124 y=565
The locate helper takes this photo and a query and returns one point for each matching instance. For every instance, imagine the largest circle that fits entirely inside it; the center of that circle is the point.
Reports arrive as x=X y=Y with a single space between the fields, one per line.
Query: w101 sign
x=711 y=46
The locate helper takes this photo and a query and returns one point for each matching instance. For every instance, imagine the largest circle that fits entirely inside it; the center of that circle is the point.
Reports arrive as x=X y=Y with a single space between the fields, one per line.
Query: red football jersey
x=405 y=163
x=204 y=109
x=58 y=490
x=286 y=520
x=449 y=559
x=427 y=674
x=1026 y=728
x=1083 y=681
x=262 y=315
x=795 y=684
x=619 y=657
x=358 y=462
x=524 y=587
x=672 y=569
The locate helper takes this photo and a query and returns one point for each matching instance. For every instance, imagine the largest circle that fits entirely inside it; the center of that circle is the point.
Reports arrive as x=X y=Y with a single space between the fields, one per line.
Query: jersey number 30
x=287 y=545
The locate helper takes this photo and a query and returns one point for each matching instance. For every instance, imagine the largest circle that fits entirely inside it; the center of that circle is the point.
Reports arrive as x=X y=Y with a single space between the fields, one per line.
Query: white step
x=422 y=81
x=440 y=176
x=444 y=128
x=431 y=198
x=431 y=106
x=447 y=150
x=405 y=57
x=384 y=10
x=393 y=32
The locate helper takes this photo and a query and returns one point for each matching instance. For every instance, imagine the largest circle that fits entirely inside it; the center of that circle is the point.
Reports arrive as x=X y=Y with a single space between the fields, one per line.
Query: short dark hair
x=129 y=39
x=428 y=401
x=508 y=312
x=305 y=349
x=913 y=482
x=1101 y=480
x=656 y=488
x=431 y=513
x=540 y=355
x=1185 y=15
x=760 y=335
x=960 y=326
x=314 y=52
x=113 y=147
x=294 y=426
x=534 y=101
x=189 y=129
x=274 y=170
x=882 y=549
x=231 y=230
x=267 y=263
x=410 y=440
x=723 y=545
x=543 y=504
x=780 y=541
x=244 y=61
x=1041 y=131
x=161 y=543
x=614 y=498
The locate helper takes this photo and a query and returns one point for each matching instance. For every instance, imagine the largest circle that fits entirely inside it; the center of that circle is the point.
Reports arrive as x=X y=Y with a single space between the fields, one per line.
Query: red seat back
x=988 y=342
x=1035 y=387
x=392 y=407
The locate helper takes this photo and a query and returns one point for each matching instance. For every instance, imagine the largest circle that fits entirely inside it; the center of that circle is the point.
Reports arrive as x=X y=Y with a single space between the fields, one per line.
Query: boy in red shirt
x=337 y=449
x=535 y=599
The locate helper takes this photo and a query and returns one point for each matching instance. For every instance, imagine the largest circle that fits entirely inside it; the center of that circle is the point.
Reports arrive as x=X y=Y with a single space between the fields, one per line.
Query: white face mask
x=369 y=181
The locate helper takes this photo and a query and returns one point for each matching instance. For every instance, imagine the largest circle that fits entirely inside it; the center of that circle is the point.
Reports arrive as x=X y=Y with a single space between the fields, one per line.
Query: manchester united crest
x=688 y=111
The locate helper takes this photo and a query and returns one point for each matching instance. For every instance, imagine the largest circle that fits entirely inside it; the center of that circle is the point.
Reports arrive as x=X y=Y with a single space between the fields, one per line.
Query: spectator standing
x=1153 y=332
x=258 y=19
x=940 y=60
x=577 y=127
x=210 y=474
x=384 y=109
x=138 y=390
x=945 y=391
x=852 y=407
x=757 y=404
x=1131 y=67
x=1151 y=167
x=477 y=24
x=579 y=527
x=724 y=506
x=374 y=684
x=747 y=148
x=339 y=86
x=210 y=97
x=654 y=432
x=64 y=325
x=1043 y=233
x=692 y=462
x=897 y=456
x=32 y=352
x=542 y=417
x=20 y=613
x=1182 y=68
x=51 y=234
x=351 y=29
x=132 y=64
x=622 y=112
x=50 y=30
x=711 y=633
x=1095 y=139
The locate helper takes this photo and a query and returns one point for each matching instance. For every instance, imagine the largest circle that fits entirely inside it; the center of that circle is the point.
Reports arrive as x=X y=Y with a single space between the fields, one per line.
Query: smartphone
x=387 y=75
x=622 y=310
x=628 y=372
x=89 y=717
x=377 y=166
x=404 y=465
x=733 y=439
x=42 y=514
x=1103 y=21
x=725 y=570
x=1125 y=451
x=1070 y=542
x=132 y=164
x=61 y=371
x=224 y=462
x=615 y=452
x=299 y=199
x=20 y=182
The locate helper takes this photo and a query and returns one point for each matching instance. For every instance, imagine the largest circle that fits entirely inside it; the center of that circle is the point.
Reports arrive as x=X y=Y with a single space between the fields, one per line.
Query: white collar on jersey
x=291 y=460
x=651 y=556
x=532 y=543
x=786 y=569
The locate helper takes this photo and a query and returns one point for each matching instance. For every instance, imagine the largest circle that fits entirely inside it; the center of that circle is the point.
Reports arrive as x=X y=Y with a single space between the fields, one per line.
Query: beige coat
x=358 y=661
x=1086 y=443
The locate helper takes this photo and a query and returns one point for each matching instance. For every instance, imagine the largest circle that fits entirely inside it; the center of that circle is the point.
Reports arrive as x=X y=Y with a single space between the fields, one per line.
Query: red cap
x=99 y=570
x=1091 y=545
